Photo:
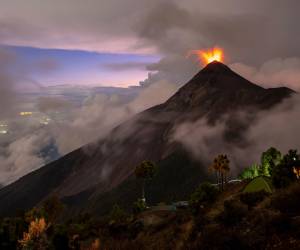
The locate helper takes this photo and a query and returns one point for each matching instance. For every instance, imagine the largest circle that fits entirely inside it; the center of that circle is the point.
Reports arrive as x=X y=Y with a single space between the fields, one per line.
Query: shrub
x=287 y=201
x=60 y=238
x=117 y=215
x=139 y=206
x=205 y=193
x=234 y=212
x=251 y=199
x=36 y=237
x=216 y=237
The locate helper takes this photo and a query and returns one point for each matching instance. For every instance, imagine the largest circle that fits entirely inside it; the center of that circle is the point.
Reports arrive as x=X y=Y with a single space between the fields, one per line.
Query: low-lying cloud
x=274 y=128
x=101 y=113
x=21 y=150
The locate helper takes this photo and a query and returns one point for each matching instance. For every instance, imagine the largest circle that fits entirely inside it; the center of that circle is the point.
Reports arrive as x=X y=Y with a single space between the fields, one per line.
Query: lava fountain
x=208 y=56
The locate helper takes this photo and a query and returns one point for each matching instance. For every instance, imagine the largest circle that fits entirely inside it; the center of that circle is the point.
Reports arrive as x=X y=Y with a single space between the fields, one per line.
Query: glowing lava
x=208 y=56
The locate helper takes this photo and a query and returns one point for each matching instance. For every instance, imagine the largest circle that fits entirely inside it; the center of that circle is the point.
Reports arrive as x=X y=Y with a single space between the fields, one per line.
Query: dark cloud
x=251 y=33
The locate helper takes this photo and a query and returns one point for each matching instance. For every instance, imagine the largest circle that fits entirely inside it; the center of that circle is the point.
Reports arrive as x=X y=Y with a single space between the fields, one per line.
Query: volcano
x=100 y=174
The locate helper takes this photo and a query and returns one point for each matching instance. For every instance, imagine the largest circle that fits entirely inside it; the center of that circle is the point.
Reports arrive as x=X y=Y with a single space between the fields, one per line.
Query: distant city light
x=3 y=131
x=45 y=121
x=25 y=113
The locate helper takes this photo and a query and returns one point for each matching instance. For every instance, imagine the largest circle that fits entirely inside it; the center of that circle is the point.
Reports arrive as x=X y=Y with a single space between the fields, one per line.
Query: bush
x=287 y=201
x=234 y=212
x=216 y=237
x=60 y=238
x=117 y=215
x=205 y=193
x=251 y=199
x=139 y=206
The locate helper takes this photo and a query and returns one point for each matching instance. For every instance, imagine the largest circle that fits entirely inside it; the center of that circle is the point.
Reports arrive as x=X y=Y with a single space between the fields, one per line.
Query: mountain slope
x=90 y=174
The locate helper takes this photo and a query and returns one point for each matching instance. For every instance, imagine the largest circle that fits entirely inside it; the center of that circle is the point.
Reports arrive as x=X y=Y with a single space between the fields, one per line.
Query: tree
x=283 y=174
x=269 y=160
x=145 y=171
x=221 y=167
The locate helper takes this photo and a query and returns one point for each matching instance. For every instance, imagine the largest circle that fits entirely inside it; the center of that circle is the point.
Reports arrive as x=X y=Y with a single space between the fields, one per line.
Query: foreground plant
x=36 y=237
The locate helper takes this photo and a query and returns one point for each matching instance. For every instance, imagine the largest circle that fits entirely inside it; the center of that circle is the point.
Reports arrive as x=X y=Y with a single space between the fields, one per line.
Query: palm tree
x=144 y=171
x=221 y=167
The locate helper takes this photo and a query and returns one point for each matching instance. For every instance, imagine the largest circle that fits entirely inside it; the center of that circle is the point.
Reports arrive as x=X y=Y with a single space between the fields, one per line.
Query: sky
x=108 y=42
x=78 y=67
x=51 y=46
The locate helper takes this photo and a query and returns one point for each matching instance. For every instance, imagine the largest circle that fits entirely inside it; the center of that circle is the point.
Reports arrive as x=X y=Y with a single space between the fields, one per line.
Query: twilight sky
x=112 y=42
x=61 y=66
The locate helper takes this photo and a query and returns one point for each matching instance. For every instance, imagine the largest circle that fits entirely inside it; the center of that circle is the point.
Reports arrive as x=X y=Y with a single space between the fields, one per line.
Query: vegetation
x=117 y=215
x=250 y=172
x=221 y=167
x=251 y=199
x=203 y=195
x=145 y=171
x=234 y=211
x=229 y=218
x=283 y=174
x=36 y=237
x=269 y=159
x=139 y=206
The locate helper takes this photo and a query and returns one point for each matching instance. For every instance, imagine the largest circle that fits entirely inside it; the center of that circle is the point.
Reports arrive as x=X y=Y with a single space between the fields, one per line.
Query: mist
x=271 y=128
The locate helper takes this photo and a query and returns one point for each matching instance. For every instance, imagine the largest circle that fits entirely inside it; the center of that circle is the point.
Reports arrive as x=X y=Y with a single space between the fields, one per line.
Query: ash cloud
x=251 y=31
x=246 y=32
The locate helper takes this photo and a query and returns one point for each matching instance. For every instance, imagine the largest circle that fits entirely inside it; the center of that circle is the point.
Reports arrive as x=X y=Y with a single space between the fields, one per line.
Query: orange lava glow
x=208 y=56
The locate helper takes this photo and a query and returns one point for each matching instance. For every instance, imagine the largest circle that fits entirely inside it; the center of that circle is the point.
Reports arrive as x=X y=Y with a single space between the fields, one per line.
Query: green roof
x=259 y=183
